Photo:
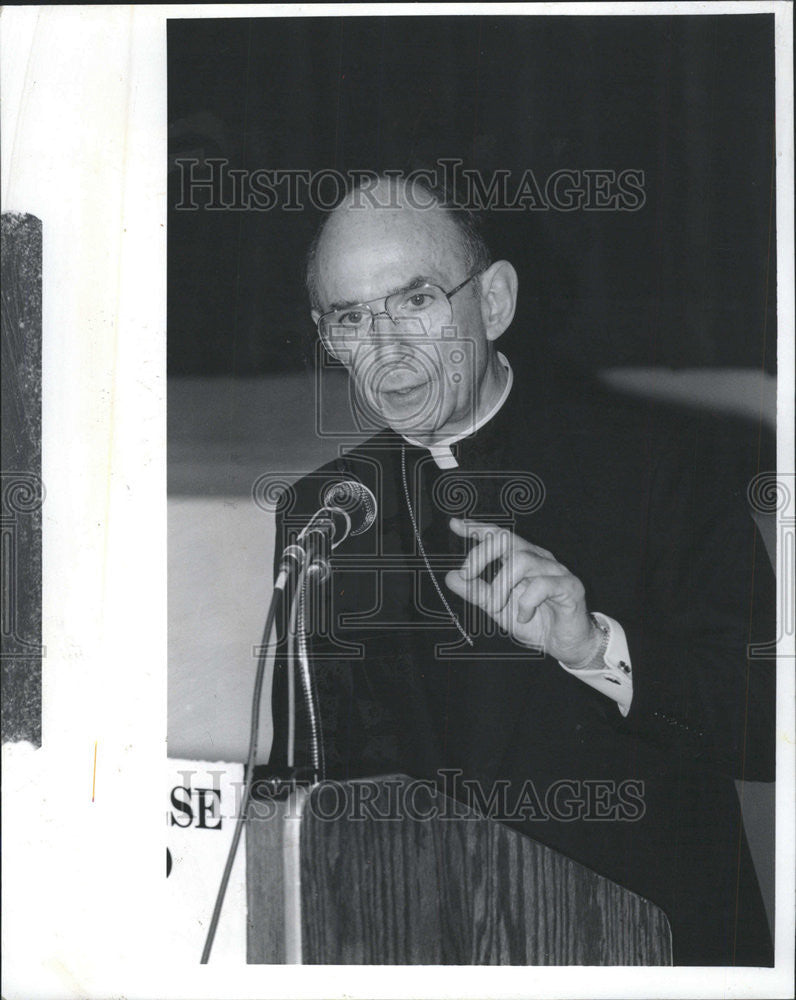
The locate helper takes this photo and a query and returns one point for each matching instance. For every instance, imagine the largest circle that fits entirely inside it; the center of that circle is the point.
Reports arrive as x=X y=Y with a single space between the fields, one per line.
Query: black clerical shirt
x=648 y=509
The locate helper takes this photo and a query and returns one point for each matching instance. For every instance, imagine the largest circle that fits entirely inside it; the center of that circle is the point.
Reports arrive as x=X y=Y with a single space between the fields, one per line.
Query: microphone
x=349 y=508
x=355 y=502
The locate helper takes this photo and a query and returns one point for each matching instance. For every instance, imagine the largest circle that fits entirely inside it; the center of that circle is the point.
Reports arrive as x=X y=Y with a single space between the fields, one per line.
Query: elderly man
x=555 y=603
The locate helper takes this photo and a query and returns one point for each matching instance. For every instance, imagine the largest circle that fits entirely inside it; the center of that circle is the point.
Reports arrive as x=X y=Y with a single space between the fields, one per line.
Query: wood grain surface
x=265 y=887
x=463 y=891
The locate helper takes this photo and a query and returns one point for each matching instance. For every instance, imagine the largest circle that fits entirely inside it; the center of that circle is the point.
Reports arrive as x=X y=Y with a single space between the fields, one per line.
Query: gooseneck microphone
x=349 y=508
x=356 y=501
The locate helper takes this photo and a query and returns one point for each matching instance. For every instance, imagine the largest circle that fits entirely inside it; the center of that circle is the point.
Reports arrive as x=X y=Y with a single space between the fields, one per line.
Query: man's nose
x=383 y=323
x=405 y=327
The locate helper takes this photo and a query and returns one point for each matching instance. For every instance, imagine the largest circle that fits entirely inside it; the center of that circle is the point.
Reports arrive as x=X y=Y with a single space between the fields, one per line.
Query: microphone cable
x=350 y=492
x=262 y=659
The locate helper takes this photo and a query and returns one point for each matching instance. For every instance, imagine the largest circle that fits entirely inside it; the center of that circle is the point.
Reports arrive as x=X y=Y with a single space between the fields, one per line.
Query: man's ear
x=498 y=297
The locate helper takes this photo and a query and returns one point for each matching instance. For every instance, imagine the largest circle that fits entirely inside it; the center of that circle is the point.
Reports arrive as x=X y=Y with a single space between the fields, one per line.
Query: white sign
x=202 y=806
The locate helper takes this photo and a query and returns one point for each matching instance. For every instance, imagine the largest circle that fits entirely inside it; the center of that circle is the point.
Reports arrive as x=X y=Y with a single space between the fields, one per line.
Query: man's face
x=419 y=381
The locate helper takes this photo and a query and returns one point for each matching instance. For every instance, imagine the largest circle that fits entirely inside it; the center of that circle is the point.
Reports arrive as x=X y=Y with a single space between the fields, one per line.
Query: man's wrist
x=598 y=643
x=609 y=671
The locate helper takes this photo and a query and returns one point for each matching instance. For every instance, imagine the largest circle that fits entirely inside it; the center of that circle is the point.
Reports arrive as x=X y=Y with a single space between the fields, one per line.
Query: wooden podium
x=338 y=876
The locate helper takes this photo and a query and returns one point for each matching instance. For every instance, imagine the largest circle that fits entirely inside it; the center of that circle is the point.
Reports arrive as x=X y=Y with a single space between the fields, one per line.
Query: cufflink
x=609 y=670
x=614 y=653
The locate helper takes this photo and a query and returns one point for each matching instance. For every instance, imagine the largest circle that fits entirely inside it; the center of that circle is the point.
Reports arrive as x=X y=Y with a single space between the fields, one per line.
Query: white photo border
x=84 y=129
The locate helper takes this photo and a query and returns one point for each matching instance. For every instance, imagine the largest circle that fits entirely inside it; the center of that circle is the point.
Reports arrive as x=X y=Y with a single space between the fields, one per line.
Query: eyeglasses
x=424 y=305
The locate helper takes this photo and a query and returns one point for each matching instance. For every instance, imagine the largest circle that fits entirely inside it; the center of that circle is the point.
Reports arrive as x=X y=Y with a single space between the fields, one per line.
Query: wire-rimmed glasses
x=423 y=306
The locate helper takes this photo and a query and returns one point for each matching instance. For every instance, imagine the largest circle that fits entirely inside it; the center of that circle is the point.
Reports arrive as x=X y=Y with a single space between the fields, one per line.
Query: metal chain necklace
x=422 y=549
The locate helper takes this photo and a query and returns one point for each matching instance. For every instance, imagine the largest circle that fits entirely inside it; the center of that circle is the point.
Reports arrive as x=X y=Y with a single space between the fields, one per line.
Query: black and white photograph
x=398 y=461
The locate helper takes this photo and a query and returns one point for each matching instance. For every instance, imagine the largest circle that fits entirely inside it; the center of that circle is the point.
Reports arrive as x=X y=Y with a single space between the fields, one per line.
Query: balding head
x=401 y=209
x=428 y=376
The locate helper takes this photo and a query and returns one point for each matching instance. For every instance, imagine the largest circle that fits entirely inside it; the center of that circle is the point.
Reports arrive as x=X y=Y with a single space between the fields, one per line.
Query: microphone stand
x=304 y=563
x=301 y=566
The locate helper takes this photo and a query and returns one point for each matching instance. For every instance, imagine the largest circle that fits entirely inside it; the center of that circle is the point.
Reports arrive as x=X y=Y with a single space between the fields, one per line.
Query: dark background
x=688 y=280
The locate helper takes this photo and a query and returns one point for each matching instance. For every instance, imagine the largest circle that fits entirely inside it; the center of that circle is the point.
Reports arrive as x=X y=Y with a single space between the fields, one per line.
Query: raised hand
x=532 y=596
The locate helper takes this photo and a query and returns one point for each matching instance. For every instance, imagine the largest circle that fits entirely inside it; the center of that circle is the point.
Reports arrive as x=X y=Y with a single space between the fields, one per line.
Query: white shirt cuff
x=612 y=675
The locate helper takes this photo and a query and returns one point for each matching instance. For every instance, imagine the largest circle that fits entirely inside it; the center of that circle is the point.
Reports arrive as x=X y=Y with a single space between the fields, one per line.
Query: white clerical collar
x=441 y=450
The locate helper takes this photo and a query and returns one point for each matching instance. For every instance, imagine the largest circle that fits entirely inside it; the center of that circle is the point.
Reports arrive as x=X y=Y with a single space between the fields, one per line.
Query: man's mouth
x=405 y=390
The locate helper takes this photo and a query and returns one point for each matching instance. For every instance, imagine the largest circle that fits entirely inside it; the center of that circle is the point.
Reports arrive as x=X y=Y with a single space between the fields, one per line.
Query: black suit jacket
x=648 y=508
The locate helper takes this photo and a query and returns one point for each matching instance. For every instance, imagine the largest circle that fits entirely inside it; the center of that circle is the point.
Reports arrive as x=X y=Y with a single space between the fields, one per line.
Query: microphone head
x=356 y=500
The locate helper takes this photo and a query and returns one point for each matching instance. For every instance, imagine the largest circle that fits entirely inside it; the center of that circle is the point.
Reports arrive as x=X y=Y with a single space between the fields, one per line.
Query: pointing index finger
x=467 y=528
